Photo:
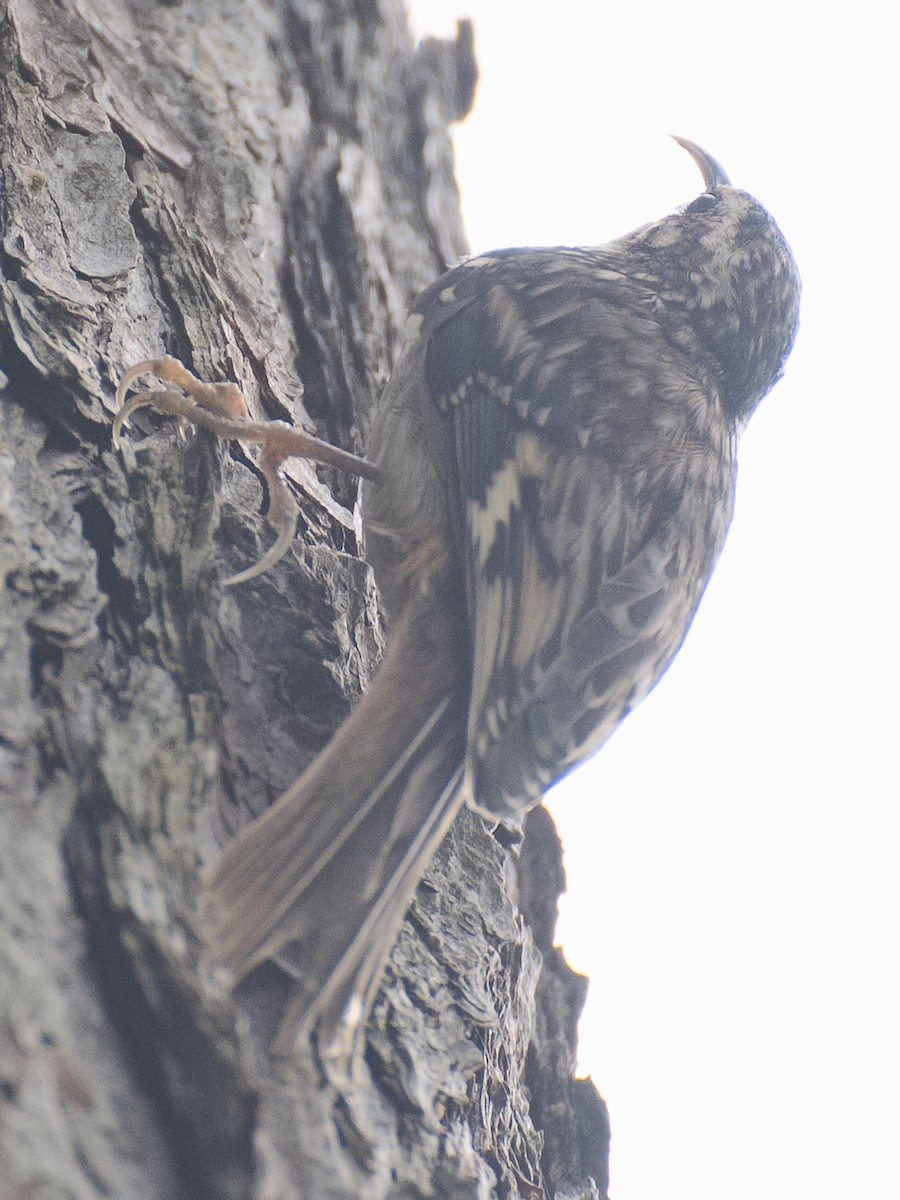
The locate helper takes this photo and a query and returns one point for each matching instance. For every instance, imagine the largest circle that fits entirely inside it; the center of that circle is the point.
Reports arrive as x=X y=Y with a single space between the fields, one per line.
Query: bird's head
x=724 y=261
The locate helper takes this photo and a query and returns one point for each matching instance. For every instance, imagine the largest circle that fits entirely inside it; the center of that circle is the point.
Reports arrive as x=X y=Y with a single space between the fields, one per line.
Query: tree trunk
x=257 y=188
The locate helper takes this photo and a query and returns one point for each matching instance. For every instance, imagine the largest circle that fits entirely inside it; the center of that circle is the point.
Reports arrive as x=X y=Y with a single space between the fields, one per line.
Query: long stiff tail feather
x=322 y=880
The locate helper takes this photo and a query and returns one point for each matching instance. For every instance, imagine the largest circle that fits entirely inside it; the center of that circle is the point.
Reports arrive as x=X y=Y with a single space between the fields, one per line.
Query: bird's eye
x=703 y=203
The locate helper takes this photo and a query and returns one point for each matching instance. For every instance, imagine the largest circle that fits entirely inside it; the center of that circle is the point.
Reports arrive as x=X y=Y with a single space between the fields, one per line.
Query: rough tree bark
x=258 y=187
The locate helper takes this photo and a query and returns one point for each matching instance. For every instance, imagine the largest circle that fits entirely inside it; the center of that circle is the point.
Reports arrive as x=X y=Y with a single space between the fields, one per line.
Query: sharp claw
x=119 y=424
x=221 y=409
x=282 y=517
x=168 y=369
x=129 y=377
x=122 y=418
x=274 y=554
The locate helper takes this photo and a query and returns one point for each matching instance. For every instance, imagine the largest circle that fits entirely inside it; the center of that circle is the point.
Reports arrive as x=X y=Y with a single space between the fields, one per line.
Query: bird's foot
x=220 y=408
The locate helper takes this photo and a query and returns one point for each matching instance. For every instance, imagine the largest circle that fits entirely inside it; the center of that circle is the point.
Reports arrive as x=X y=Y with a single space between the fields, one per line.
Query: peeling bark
x=257 y=188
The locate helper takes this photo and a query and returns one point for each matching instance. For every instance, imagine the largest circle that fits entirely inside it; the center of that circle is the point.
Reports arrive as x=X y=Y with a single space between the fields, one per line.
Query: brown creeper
x=550 y=482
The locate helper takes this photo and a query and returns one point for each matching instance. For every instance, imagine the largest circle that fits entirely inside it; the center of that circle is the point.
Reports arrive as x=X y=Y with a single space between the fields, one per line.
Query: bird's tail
x=323 y=879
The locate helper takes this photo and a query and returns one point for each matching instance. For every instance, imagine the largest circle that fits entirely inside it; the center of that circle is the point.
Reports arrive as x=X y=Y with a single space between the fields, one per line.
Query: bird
x=548 y=485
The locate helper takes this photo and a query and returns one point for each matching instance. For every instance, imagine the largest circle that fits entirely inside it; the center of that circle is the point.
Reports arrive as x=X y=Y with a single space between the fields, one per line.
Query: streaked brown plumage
x=553 y=479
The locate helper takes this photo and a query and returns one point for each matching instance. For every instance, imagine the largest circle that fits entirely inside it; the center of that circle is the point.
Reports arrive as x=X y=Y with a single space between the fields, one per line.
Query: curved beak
x=713 y=175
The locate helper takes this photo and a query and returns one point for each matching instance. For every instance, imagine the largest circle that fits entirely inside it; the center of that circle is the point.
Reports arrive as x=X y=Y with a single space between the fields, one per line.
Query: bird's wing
x=575 y=598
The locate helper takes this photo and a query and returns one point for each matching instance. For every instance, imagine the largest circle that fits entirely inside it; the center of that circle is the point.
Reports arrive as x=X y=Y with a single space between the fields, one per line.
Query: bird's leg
x=220 y=408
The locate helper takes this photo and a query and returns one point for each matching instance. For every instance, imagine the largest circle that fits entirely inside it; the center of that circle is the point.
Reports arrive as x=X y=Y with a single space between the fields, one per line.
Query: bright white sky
x=732 y=853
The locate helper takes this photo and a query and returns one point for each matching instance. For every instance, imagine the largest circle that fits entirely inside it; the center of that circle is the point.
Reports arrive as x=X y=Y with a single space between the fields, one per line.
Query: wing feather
x=575 y=584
